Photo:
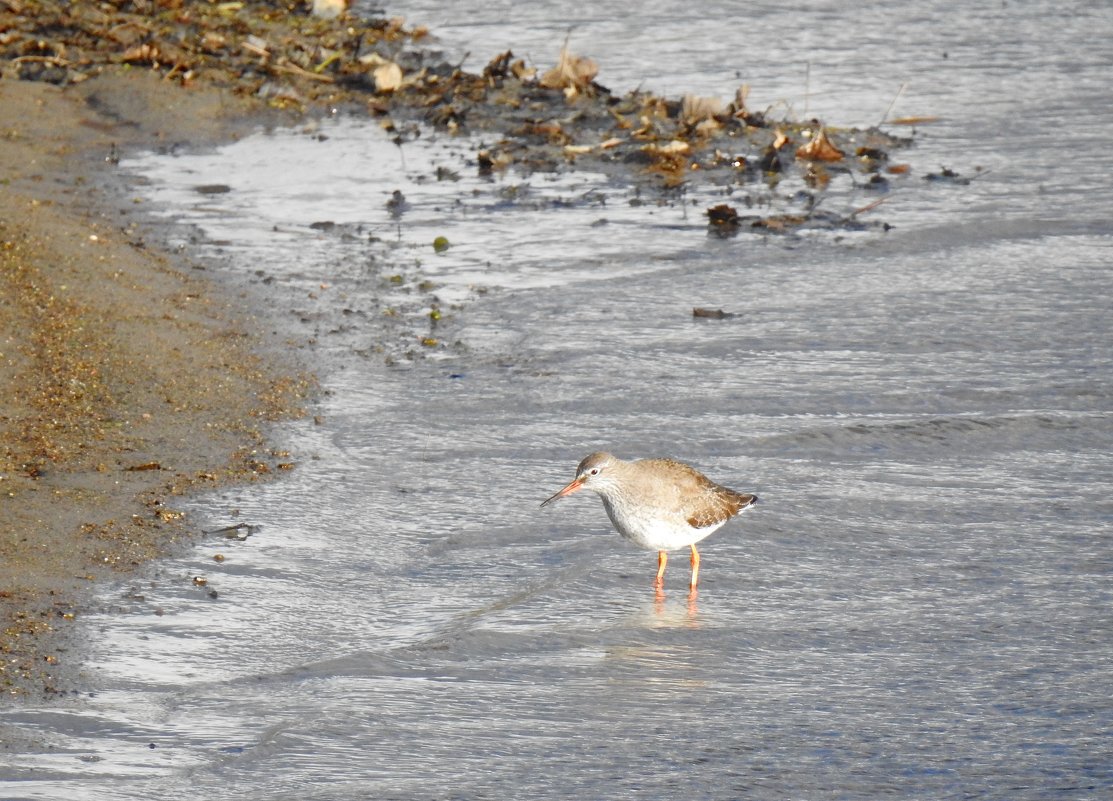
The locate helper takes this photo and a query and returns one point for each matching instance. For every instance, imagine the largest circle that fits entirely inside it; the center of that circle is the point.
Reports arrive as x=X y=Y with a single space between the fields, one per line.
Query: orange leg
x=662 y=559
x=695 y=567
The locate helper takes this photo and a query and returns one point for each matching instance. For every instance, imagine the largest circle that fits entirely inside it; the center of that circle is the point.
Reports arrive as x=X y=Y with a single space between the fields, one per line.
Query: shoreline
x=127 y=378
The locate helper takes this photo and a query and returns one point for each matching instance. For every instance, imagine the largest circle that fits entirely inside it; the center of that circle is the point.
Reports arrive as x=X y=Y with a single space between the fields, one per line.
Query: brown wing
x=722 y=505
x=703 y=502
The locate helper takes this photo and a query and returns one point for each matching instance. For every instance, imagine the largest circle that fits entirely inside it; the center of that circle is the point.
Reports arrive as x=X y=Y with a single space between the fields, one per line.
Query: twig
x=900 y=92
x=293 y=70
x=867 y=207
x=55 y=60
x=324 y=65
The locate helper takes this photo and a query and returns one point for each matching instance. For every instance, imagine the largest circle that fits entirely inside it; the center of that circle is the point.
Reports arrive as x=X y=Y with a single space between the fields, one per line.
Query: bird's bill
x=573 y=486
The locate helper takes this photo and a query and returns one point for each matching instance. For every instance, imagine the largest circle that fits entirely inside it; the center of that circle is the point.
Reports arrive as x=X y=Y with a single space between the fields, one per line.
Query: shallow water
x=919 y=607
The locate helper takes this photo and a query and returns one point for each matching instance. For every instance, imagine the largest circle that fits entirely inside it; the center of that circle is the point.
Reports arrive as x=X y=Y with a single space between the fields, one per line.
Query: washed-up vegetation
x=283 y=55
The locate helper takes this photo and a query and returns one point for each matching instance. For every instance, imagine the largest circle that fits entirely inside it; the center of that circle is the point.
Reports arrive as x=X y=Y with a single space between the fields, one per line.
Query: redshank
x=658 y=503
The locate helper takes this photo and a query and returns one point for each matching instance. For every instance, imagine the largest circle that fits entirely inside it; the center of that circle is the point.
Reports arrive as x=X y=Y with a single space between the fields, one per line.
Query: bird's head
x=592 y=473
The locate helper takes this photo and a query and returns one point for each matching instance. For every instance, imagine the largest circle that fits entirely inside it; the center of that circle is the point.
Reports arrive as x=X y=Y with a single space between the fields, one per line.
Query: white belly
x=656 y=532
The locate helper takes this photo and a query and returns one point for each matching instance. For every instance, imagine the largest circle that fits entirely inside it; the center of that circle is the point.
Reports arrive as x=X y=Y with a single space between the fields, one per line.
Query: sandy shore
x=126 y=379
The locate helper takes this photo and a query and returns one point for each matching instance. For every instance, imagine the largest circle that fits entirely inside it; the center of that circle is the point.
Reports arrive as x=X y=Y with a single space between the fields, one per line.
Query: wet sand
x=126 y=378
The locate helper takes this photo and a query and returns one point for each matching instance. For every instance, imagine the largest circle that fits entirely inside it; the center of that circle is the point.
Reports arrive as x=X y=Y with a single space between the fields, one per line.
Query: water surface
x=919 y=607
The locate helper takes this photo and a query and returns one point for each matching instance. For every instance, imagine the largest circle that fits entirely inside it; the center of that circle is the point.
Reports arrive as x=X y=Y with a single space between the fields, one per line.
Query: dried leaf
x=675 y=147
x=740 y=96
x=488 y=161
x=654 y=108
x=711 y=314
x=329 y=9
x=498 y=66
x=695 y=109
x=723 y=214
x=142 y=54
x=821 y=148
x=388 y=77
x=574 y=74
x=522 y=72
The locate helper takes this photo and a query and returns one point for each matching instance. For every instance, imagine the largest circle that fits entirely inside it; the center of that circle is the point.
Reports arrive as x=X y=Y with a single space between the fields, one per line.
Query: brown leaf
x=912 y=120
x=821 y=148
x=574 y=74
x=523 y=73
x=498 y=66
x=711 y=314
x=723 y=214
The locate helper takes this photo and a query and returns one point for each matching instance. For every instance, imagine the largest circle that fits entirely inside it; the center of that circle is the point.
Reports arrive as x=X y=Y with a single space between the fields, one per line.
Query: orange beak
x=575 y=485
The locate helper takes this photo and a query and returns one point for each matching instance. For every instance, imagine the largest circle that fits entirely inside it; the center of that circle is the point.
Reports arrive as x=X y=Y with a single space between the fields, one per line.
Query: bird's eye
x=594 y=471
